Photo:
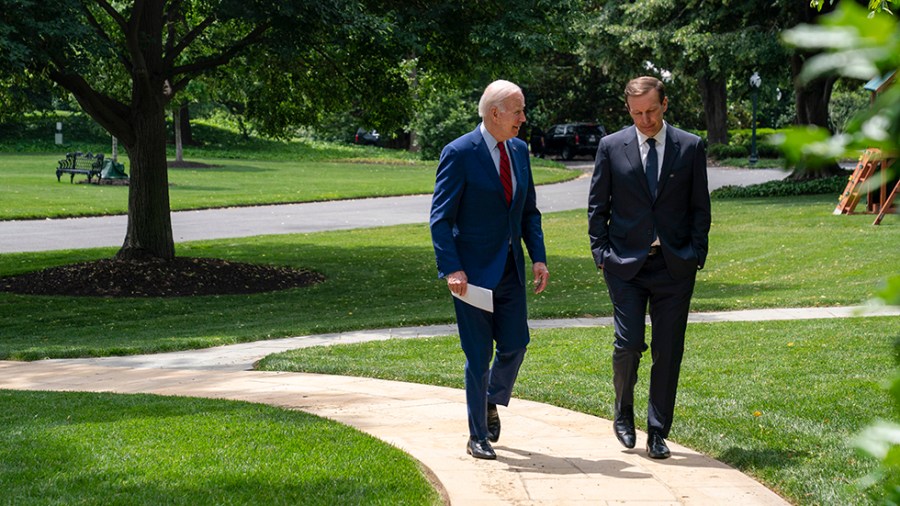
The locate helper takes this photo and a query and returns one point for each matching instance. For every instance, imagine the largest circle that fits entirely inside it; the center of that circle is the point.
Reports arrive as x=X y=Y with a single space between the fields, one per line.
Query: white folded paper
x=482 y=298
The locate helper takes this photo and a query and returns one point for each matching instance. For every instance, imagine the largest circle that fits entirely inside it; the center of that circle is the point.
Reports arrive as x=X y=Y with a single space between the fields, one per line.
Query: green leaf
x=855 y=63
x=890 y=294
x=816 y=37
x=812 y=145
x=876 y=28
x=878 y=439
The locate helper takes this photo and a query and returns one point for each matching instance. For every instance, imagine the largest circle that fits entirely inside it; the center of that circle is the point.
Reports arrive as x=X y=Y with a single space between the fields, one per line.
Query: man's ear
x=495 y=114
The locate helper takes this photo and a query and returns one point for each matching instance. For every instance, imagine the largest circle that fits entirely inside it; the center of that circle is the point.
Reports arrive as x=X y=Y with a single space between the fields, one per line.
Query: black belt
x=655 y=250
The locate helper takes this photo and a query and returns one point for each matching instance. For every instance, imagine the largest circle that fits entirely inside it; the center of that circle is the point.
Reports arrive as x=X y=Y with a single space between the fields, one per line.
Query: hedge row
x=834 y=185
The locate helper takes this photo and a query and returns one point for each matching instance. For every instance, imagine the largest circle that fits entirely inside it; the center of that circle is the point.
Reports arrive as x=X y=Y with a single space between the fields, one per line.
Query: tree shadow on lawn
x=100 y=470
x=220 y=168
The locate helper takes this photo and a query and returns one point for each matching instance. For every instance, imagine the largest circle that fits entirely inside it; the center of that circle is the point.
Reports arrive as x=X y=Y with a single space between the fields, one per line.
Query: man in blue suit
x=482 y=211
x=649 y=224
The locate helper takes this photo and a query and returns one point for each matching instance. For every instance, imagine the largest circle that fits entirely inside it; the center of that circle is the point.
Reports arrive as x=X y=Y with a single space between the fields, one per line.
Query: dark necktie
x=652 y=167
x=505 y=175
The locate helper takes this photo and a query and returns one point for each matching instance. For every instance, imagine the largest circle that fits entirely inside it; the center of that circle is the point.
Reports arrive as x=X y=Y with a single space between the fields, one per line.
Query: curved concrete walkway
x=547 y=455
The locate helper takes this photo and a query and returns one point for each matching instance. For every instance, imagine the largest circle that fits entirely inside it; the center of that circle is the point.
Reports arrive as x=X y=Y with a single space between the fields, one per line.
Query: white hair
x=495 y=94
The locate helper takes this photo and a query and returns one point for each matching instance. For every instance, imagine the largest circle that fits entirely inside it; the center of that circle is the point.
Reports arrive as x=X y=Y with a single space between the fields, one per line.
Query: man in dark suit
x=482 y=210
x=648 y=221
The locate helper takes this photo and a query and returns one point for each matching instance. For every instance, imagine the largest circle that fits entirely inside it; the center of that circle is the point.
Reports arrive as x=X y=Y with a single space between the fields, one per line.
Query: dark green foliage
x=835 y=185
x=722 y=151
x=444 y=117
x=739 y=144
x=39 y=129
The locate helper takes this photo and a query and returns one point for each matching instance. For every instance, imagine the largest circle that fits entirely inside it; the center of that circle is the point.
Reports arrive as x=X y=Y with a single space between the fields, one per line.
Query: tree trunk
x=414 y=146
x=149 y=232
x=713 y=95
x=813 y=99
x=187 y=135
x=176 y=123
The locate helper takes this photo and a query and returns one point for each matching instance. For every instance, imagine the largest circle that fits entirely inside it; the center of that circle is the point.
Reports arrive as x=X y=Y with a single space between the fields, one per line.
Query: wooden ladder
x=868 y=164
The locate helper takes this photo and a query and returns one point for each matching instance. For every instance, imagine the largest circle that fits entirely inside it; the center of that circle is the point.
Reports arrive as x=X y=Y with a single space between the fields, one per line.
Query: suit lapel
x=518 y=168
x=673 y=147
x=483 y=152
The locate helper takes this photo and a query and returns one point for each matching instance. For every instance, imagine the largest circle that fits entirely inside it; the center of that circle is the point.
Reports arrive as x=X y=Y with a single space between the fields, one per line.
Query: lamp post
x=755 y=82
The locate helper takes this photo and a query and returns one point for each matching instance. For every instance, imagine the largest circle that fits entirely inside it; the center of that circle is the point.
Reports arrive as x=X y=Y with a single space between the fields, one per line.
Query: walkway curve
x=547 y=455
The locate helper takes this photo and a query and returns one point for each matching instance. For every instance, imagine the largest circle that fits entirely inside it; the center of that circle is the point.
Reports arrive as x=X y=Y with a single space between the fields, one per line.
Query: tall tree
x=126 y=61
x=697 y=41
x=812 y=96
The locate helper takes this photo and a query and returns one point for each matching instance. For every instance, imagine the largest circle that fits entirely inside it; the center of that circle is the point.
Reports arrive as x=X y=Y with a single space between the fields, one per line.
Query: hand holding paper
x=482 y=298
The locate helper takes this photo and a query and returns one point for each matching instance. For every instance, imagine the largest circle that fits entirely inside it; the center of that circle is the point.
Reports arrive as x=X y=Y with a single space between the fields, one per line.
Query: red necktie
x=505 y=175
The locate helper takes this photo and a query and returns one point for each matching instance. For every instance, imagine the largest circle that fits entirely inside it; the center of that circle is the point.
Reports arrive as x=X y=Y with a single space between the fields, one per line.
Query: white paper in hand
x=482 y=298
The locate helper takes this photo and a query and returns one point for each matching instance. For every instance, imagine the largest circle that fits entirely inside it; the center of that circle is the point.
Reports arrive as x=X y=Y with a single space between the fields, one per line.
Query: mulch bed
x=180 y=277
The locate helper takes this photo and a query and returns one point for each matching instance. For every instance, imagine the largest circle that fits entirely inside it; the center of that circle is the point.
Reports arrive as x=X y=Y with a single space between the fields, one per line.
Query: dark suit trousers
x=507 y=326
x=669 y=302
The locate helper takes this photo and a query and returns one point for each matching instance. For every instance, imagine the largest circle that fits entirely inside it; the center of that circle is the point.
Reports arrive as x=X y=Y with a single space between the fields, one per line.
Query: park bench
x=78 y=163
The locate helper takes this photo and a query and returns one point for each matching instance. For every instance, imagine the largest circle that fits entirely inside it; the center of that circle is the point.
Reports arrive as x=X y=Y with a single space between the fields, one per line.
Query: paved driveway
x=75 y=233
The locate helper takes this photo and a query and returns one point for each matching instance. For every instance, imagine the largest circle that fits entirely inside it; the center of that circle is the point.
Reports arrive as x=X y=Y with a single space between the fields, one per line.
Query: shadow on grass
x=98 y=448
x=760 y=458
x=223 y=168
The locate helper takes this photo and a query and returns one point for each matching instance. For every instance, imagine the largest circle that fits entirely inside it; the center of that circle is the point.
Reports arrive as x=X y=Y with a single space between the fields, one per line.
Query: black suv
x=569 y=140
x=367 y=137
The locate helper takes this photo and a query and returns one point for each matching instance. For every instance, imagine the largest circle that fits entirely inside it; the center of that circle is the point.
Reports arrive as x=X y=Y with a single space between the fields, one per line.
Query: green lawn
x=88 y=448
x=30 y=189
x=764 y=253
x=778 y=400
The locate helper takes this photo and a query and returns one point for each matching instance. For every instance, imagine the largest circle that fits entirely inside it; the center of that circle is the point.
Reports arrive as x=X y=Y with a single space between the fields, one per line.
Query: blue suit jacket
x=622 y=215
x=472 y=228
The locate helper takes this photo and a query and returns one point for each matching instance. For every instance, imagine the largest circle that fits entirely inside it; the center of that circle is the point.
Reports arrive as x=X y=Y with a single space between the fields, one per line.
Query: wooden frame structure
x=879 y=199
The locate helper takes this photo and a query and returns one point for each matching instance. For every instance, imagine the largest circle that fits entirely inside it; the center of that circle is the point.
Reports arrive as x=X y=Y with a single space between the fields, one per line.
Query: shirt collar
x=488 y=138
x=660 y=136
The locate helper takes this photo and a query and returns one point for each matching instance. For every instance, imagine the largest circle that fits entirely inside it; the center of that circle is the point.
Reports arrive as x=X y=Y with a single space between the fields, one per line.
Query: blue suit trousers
x=479 y=331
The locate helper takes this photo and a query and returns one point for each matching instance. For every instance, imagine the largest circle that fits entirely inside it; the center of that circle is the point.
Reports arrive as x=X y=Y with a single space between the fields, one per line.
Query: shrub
x=766 y=150
x=443 y=117
x=744 y=135
x=40 y=129
x=723 y=151
x=834 y=184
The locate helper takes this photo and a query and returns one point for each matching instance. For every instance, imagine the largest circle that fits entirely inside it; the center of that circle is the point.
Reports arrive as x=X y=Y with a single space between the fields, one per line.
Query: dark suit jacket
x=622 y=214
x=471 y=226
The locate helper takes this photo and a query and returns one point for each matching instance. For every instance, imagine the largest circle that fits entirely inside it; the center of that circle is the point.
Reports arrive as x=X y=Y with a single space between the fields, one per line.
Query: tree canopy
x=125 y=61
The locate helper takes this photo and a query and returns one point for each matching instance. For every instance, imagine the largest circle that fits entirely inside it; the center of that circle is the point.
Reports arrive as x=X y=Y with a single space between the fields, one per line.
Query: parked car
x=367 y=137
x=569 y=140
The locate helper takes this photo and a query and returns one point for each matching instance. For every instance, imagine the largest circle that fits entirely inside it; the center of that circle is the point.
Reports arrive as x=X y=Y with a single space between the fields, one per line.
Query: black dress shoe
x=480 y=449
x=493 y=421
x=656 y=446
x=624 y=430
